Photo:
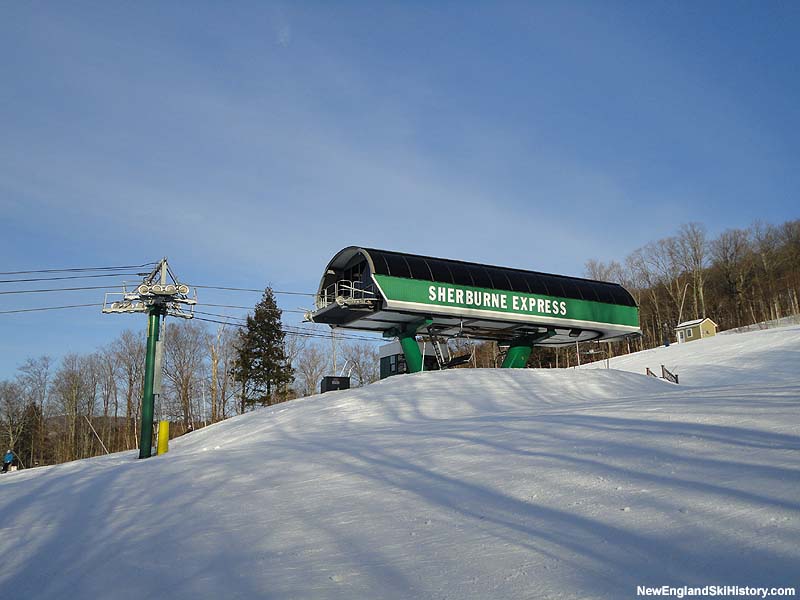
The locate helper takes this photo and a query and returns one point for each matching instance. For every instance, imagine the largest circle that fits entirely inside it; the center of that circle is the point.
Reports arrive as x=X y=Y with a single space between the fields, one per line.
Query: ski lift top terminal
x=402 y=295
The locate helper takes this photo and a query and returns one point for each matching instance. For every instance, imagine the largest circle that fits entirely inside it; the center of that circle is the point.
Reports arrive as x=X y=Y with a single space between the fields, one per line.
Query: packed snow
x=763 y=358
x=551 y=484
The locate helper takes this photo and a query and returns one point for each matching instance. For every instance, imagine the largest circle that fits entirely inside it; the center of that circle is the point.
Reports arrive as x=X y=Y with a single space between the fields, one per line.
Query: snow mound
x=458 y=484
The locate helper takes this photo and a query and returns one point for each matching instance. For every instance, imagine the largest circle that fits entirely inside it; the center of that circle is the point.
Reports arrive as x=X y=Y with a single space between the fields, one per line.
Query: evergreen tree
x=262 y=368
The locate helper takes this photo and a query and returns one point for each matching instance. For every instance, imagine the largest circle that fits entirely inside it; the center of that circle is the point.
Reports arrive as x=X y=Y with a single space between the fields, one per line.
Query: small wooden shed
x=697 y=329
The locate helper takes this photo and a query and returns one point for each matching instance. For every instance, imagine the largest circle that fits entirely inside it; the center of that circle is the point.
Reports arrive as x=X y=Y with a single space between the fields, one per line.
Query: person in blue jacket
x=7 y=460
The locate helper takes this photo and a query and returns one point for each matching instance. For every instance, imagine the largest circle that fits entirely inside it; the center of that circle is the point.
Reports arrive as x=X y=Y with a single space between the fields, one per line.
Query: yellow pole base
x=163 y=437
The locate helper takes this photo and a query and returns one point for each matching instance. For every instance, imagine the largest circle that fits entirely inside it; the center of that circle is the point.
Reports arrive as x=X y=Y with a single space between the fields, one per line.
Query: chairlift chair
x=450 y=361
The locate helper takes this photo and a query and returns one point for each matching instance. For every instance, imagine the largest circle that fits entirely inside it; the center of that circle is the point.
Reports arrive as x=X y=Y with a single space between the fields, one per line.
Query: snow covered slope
x=768 y=357
x=461 y=484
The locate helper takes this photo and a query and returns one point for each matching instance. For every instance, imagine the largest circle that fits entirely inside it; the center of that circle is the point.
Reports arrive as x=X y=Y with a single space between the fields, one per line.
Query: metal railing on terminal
x=346 y=292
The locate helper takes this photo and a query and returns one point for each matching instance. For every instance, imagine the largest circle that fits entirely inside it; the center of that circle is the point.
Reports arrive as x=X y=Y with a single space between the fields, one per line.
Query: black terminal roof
x=441 y=270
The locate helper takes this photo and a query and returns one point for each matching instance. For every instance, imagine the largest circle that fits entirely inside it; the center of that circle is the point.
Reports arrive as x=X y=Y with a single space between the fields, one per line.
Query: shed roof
x=694 y=322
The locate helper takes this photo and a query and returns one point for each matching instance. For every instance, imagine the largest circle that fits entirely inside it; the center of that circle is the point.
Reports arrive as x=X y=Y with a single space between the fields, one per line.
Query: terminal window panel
x=398 y=267
x=571 y=290
x=440 y=271
x=518 y=282
x=499 y=279
x=419 y=268
x=539 y=284
x=604 y=293
x=462 y=274
x=481 y=277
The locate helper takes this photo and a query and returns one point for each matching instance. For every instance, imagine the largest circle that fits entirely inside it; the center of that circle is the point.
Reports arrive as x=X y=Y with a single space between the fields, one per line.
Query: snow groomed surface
x=458 y=484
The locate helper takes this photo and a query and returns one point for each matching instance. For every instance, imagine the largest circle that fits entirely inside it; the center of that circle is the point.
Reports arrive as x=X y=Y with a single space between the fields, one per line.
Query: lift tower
x=160 y=294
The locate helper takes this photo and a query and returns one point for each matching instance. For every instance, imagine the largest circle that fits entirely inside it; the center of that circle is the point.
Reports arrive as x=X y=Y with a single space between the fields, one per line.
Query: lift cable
x=69 y=277
x=291 y=329
x=104 y=287
x=210 y=314
x=21 y=310
x=119 y=268
x=25 y=310
x=289 y=310
x=261 y=291
x=73 y=289
x=294 y=329
x=301 y=333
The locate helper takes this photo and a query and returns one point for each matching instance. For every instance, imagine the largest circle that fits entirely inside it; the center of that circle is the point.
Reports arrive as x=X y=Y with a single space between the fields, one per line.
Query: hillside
x=459 y=484
x=767 y=357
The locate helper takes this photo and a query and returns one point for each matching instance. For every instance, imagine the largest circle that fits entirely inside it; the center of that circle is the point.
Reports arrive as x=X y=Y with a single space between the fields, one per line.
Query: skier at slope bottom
x=7 y=460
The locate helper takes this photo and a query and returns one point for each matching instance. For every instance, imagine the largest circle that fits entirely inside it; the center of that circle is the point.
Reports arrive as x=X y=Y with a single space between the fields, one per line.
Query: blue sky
x=248 y=142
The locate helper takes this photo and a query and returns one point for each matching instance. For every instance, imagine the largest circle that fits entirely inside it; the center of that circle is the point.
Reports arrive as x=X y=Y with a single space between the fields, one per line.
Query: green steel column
x=520 y=350
x=146 y=436
x=518 y=354
x=408 y=340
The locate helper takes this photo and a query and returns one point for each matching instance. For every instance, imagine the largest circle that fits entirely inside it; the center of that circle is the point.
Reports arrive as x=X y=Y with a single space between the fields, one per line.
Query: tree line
x=85 y=404
x=741 y=277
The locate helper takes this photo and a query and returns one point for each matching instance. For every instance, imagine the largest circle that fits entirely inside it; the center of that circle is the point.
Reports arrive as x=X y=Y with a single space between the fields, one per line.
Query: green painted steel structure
x=517 y=355
x=148 y=399
x=389 y=292
x=519 y=351
x=424 y=295
x=407 y=335
x=408 y=340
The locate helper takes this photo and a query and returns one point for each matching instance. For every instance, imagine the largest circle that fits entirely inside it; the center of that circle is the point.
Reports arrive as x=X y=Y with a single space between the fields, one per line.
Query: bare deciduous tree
x=312 y=363
x=663 y=259
x=130 y=350
x=693 y=255
x=12 y=414
x=34 y=379
x=73 y=392
x=222 y=353
x=597 y=269
x=362 y=359
x=184 y=346
x=108 y=373
x=729 y=253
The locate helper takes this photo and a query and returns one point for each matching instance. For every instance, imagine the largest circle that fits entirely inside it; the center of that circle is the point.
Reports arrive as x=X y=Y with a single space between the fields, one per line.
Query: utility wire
x=303 y=329
x=261 y=291
x=24 y=310
x=68 y=277
x=73 y=289
x=290 y=310
x=288 y=328
x=106 y=287
x=210 y=314
x=228 y=306
x=339 y=336
x=292 y=330
x=117 y=275
x=76 y=269
x=301 y=333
